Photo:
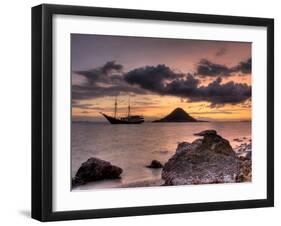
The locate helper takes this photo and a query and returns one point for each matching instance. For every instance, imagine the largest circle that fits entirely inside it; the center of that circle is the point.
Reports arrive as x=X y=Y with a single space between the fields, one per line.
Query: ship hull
x=119 y=121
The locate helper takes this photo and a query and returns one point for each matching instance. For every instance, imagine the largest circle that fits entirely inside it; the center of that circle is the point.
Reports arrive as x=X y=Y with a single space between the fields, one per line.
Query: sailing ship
x=129 y=119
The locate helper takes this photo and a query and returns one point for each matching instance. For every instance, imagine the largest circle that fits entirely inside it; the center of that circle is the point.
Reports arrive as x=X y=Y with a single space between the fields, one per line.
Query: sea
x=133 y=147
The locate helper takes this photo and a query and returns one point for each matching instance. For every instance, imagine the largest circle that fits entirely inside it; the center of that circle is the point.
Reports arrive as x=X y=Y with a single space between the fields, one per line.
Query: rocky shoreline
x=207 y=160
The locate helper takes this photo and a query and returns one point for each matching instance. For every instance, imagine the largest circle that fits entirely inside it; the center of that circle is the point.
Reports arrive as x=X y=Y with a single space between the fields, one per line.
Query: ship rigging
x=129 y=119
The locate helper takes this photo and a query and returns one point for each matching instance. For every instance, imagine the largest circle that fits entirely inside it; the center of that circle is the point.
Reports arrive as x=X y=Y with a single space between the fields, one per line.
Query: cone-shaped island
x=177 y=115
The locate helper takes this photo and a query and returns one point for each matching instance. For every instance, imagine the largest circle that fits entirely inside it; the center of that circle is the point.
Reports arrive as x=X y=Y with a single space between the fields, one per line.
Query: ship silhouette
x=129 y=119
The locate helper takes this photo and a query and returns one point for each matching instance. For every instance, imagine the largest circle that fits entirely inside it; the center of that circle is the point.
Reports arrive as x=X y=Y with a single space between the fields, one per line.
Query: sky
x=211 y=80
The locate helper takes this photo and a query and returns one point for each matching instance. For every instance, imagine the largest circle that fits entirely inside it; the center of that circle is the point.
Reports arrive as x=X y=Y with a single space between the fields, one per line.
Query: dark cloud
x=215 y=92
x=220 y=52
x=103 y=74
x=184 y=87
x=218 y=94
x=151 y=78
x=188 y=86
x=162 y=80
x=111 y=66
x=102 y=81
x=206 y=68
x=244 y=66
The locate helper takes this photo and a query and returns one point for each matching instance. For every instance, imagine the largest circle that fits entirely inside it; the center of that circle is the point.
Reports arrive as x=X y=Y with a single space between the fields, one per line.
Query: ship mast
x=115 y=107
x=129 y=107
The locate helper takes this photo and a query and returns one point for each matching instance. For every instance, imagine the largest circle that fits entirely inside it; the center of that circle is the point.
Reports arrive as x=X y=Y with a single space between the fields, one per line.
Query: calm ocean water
x=132 y=147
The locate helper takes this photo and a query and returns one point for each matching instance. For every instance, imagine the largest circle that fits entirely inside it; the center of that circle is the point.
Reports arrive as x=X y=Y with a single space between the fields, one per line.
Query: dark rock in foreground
x=245 y=170
x=96 y=169
x=155 y=164
x=244 y=152
x=204 y=161
x=177 y=115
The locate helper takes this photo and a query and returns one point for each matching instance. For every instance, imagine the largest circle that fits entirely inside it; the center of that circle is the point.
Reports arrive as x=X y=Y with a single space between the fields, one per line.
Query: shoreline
x=241 y=143
x=141 y=183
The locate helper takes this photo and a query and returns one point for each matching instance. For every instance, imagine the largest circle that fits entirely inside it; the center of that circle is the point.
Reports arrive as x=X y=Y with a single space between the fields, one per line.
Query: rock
x=155 y=164
x=161 y=152
x=206 y=133
x=244 y=149
x=237 y=140
x=96 y=169
x=245 y=163
x=215 y=142
x=185 y=146
x=77 y=181
x=248 y=156
x=245 y=170
x=204 y=161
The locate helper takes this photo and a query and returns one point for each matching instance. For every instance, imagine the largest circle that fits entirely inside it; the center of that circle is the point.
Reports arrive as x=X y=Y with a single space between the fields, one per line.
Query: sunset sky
x=211 y=80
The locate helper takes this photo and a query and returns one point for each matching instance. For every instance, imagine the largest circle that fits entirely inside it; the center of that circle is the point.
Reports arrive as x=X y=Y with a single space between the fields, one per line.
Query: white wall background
x=15 y=118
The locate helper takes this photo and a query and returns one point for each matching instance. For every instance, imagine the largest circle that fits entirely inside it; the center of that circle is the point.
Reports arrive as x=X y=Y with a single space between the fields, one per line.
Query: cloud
x=188 y=86
x=219 y=94
x=215 y=92
x=220 y=52
x=206 y=68
x=244 y=66
x=103 y=74
x=87 y=107
x=106 y=80
x=163 y=80
x=151 y=78
x=83 y=106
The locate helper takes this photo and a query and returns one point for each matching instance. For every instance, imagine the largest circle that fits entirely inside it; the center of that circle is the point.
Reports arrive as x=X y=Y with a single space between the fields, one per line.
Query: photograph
x=149 y=111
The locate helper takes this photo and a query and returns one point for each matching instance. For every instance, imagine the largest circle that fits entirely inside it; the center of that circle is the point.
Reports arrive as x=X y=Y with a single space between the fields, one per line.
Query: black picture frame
x=42 y=107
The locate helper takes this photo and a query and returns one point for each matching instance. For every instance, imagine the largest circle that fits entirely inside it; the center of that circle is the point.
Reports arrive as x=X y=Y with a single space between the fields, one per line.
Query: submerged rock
x=204 y=161
x=161 y=152
x=155 y=164
x=237 y=140
x=96 y=169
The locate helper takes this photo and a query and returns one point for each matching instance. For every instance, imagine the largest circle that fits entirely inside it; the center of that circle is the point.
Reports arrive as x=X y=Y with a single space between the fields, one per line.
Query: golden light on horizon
x=155 y=106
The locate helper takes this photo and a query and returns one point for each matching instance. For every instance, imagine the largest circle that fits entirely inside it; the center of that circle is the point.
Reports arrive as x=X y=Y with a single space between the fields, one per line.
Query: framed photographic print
x=146 y=112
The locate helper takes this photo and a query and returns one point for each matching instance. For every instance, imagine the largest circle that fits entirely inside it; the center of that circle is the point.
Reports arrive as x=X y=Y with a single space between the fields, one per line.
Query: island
x=178 y=115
